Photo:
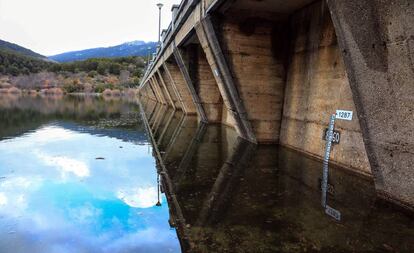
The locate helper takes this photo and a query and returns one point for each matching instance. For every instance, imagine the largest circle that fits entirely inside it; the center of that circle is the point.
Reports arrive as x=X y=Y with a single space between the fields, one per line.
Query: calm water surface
x=81 y=175
x=77 y=175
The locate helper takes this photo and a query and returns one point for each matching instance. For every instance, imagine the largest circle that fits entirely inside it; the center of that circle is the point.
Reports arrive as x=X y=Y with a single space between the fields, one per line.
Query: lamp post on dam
x=159 y=5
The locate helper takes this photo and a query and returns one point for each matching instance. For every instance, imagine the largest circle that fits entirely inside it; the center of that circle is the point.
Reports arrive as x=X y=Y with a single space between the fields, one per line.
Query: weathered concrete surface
x=179 y=81
x=149 y=92
x=157 y=89
x=204 y=83
x=161 y=90
x=277 y=7
x=234 y=112
x=183 y=67
x=154 y=93
x=170 y=82
x=316 y=86
x=171 y=89
x=165 y=89
x=377 y=42
x=258 y=71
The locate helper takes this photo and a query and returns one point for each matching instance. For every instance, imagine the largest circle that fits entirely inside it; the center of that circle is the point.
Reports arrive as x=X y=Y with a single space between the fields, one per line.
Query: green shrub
x=99 y=88
x=92 y=73
x=13 y=70
x=115 y=68
x=72 y=87
x=102 y=68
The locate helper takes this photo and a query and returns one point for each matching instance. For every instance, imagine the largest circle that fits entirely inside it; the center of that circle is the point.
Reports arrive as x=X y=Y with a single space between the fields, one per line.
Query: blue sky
x=54 y=26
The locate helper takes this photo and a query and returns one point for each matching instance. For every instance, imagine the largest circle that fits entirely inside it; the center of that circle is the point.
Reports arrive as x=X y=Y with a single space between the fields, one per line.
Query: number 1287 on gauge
x=345 y=115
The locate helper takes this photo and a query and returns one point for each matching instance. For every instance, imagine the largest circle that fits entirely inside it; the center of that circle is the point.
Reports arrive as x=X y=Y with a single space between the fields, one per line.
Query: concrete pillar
x=204 y=83
x=156 y=90
x=175 y=95
x=186 y=75
x=177 y=78
x=255 y=53
x=173 y=85
x=150 y=91
x=169 y=87
x=165 y=89
x=376 y=41
x=160 y=89
x=153 y=93
x=234 y=105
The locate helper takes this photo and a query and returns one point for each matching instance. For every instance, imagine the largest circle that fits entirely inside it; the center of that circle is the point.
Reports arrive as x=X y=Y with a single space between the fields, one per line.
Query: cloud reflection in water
x=56 y=197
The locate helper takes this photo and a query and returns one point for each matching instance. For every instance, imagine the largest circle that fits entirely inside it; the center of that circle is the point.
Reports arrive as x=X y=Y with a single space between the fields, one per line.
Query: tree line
x=16 y=64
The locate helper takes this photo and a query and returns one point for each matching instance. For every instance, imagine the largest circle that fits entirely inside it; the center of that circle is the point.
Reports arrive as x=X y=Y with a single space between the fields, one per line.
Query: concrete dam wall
x=276 y=70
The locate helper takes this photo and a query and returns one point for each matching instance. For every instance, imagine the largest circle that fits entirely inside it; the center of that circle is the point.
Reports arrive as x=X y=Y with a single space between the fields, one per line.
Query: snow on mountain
x=133 y=48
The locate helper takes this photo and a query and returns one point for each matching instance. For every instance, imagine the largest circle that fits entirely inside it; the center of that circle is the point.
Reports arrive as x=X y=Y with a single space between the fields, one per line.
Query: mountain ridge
x=132 y=48
x=14 y=48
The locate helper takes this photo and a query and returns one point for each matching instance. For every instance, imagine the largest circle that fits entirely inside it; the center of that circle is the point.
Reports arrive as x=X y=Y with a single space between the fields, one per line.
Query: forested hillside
x=7 y=46
x=14 y=63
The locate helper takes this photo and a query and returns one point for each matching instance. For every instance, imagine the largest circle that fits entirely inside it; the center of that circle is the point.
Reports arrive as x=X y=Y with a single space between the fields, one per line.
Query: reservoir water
x=77 y=175
x=84 y=174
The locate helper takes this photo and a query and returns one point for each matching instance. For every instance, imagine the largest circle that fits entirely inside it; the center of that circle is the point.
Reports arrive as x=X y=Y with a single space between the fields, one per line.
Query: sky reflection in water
x=55 y=196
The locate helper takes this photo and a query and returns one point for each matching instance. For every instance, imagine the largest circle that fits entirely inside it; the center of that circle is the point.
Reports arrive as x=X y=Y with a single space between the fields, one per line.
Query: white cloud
x=138 y=197
x=3 y=199
x=52 y=134
x=66 y=165
x=13 y=195
x=45 y=135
